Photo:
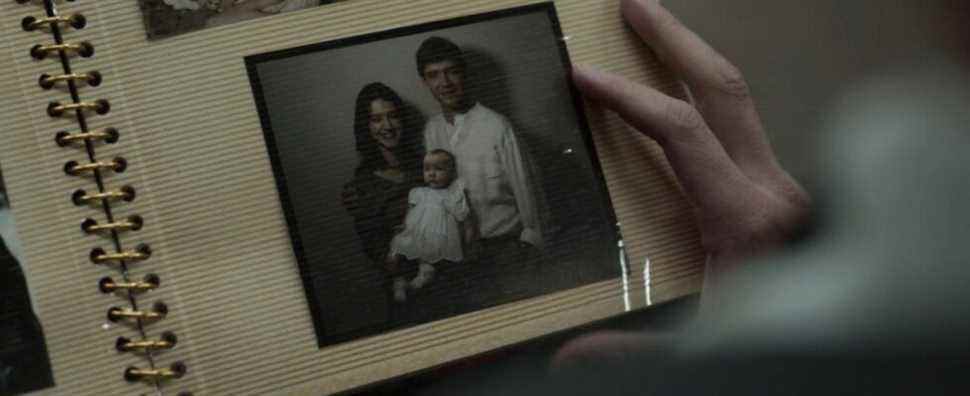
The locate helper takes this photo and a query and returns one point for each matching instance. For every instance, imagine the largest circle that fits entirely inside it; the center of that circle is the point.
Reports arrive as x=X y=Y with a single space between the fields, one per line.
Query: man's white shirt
x=490 y=162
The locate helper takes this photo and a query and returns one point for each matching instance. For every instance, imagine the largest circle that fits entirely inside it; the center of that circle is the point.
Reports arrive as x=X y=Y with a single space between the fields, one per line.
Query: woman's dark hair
x=408 y=151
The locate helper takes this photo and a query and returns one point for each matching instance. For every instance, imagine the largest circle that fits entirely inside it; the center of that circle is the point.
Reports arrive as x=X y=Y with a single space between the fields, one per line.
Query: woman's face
x=385 y=123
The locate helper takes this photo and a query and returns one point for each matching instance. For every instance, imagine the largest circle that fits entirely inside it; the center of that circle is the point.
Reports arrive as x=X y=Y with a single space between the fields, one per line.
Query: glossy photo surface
x=434 y=170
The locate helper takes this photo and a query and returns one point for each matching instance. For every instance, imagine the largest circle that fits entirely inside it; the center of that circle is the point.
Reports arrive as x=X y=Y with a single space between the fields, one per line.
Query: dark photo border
x=253 y=61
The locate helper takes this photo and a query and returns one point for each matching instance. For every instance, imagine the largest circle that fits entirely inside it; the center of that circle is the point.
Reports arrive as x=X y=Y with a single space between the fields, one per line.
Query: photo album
x=312 y=196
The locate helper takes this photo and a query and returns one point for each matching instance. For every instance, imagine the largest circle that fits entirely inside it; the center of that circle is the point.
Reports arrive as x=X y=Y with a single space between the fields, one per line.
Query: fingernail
x=583 y=71
x=584 y=76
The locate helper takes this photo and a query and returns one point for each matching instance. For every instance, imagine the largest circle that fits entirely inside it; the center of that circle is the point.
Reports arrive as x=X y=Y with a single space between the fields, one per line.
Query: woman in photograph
x=389 y=145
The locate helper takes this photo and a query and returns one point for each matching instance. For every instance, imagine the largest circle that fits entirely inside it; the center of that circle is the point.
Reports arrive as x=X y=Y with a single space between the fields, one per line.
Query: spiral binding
x=108 y=285
x=167 y=341
x=125 y=193
x=52 y=23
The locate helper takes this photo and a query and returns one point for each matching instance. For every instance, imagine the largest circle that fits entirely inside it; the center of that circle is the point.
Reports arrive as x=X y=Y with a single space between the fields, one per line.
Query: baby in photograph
x=436 y=226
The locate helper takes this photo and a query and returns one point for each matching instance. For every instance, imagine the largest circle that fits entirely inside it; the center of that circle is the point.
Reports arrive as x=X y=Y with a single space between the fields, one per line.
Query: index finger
x=703 y=168
x=720 y=91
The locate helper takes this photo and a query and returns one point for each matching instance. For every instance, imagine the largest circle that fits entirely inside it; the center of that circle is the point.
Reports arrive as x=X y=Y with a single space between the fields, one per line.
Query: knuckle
x=662 y=22
x=799 y=199
x=791 y=194
x=740 y=237
x=757 y=226
x=732 y=82
x=799 y=209
x=684 y=117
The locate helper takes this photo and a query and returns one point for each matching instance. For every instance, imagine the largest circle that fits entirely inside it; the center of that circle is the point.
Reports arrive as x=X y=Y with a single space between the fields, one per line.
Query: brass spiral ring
x=107 y=135
x=140 y=253
x=125 y=193
x=117 y=165
x=47 y=81
x=167 y=341
x=100 y=106
x=133 y=223
x=76 y=21
x=108 y=285
x=41 y=51
x=176 y=370
x=158 y=311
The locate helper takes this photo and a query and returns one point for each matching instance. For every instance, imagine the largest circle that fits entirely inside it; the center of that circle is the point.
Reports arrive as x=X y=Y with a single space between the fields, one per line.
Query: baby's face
x=437 y=171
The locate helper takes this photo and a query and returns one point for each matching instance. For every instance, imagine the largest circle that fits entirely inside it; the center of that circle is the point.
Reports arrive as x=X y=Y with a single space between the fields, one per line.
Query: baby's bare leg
x=425 y=275
x=400 y=289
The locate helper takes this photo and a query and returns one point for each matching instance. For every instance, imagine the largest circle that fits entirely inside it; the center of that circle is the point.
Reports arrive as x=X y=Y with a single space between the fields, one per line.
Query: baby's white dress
x=431 y=228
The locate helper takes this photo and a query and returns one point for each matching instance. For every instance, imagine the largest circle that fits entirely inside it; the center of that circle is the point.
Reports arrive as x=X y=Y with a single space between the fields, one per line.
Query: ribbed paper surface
x=206 y=190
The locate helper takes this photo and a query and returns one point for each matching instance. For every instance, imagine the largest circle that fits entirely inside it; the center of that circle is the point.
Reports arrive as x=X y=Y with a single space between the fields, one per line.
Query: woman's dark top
x=382 y=203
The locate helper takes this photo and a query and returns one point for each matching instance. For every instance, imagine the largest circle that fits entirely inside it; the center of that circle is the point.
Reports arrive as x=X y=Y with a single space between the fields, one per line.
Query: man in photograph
x=489 y=159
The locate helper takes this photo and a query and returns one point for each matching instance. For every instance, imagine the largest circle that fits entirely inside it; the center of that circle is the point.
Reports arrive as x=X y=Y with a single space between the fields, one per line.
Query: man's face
x=385 y=123
x=446 y=80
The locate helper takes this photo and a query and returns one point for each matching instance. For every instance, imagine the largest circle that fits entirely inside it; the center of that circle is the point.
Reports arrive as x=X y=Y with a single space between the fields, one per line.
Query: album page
x=338 y=193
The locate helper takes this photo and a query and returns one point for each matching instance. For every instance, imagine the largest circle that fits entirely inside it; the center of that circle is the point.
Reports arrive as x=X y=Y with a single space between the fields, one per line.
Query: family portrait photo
x=434 y=170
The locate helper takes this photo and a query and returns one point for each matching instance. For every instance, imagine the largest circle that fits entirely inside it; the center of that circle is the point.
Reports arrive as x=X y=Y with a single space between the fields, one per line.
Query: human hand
x=744 y=202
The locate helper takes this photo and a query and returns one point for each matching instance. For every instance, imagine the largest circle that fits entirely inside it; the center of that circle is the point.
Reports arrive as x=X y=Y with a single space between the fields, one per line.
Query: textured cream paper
x=193 y=140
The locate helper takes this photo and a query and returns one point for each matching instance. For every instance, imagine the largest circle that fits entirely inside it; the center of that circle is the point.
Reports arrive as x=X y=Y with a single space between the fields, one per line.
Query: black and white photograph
x=434 y=170
x=24 y=364
x=167 y=18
